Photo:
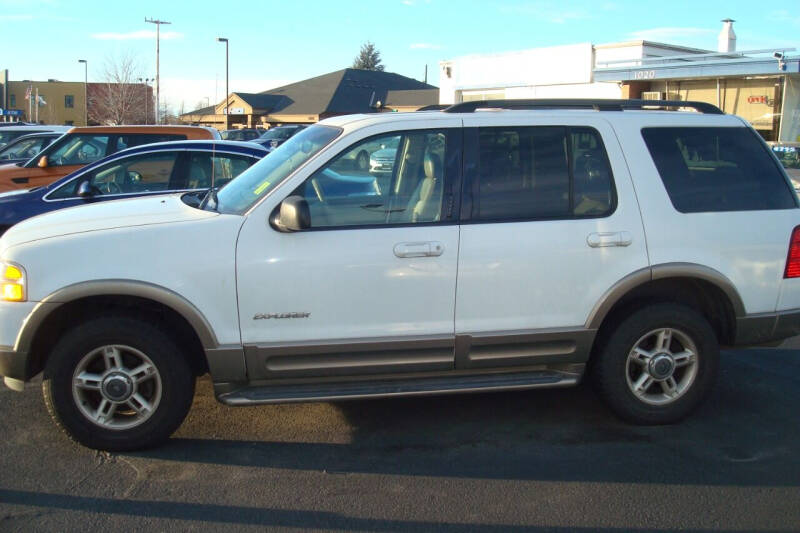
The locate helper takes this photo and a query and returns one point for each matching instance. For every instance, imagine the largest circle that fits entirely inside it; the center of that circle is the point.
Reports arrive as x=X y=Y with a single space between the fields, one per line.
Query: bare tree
x=120 y=98
x=368 y=58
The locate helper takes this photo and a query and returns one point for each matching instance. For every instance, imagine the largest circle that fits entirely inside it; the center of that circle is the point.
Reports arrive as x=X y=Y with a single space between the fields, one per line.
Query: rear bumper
x=767 y=328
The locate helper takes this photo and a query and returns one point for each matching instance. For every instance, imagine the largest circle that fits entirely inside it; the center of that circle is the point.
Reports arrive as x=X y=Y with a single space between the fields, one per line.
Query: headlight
x=12 y=284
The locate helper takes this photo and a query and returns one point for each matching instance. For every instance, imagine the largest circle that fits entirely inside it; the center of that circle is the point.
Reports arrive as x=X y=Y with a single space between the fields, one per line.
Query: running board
x=315 y=392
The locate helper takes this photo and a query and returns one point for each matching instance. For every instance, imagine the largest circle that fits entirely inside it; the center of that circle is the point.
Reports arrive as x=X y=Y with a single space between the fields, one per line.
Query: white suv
x=512 y=247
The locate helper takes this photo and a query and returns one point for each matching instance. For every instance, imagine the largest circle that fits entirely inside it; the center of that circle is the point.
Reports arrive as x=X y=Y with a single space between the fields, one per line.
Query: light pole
x=146 y=97
x=227 y=112
x=85 y=92
x=158 y=24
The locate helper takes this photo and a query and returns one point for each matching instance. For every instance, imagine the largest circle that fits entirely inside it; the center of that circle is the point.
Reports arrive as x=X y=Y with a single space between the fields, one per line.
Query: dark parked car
x=241 y=134
x=276 y=136
x=12 y=131
x=24 y=148
x=178 y=166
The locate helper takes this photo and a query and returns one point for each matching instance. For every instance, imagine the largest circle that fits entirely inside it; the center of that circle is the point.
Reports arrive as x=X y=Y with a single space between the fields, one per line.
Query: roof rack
x=595 y=104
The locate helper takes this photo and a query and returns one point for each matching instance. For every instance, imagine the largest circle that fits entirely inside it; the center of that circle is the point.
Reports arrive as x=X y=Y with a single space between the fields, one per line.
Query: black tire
x=611 y=369
x=362 y=160
x=177 y=383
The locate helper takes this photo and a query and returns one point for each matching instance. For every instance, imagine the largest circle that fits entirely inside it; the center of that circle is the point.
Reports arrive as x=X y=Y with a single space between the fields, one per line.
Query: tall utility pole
x=85 y=91
x=158 y=24
x=227 y=95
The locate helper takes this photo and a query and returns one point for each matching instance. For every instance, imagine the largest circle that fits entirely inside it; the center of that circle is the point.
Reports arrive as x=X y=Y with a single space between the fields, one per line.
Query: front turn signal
x=12 y=285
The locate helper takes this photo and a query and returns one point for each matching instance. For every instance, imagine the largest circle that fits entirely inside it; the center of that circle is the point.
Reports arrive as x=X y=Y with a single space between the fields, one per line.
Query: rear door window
x=717 y=169
x=541 y=172
x=138 y=139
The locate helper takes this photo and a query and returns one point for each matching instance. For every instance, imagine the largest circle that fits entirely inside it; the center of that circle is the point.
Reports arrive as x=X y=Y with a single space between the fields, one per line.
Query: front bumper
x=13 y=364
x=14 y=318
x=767 y=328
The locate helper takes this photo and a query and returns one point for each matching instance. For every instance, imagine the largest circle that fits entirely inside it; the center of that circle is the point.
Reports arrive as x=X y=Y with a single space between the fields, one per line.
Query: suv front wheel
x=658 y=364
x=117 y=383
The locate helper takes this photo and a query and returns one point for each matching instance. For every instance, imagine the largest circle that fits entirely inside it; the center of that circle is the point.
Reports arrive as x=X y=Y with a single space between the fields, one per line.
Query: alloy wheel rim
x=661 y=366
x=116 y=387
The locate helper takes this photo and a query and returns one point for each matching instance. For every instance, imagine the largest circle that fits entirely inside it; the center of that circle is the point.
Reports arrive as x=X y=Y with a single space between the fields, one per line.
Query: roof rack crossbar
x=595 y=104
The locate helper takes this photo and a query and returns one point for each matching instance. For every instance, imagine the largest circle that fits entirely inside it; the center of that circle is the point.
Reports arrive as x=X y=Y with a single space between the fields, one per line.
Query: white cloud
x=134 y=35
x=672 y=33
x=425 y=46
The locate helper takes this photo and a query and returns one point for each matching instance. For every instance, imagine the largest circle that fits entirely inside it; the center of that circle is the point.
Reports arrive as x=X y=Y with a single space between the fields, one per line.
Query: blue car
x=177 y=166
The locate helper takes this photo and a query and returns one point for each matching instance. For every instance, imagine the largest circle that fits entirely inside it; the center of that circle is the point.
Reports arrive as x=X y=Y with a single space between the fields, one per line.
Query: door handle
x=602 y=240
x=418 y=249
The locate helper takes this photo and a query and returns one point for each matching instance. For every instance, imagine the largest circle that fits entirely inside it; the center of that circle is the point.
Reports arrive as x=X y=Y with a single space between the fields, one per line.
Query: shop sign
x=756 y=99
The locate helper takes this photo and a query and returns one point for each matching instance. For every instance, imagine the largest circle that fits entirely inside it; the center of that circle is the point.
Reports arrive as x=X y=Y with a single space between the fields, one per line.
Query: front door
x=369 y=288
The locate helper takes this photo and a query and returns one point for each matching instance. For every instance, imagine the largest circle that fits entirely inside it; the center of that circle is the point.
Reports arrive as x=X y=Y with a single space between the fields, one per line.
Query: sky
x=279 y=42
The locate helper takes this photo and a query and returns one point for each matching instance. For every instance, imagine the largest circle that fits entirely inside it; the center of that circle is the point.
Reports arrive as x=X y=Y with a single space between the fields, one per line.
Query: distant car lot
x=178 y=166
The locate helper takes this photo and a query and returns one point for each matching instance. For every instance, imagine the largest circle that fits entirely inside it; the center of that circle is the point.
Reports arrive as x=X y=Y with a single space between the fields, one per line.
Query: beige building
x=60 y=102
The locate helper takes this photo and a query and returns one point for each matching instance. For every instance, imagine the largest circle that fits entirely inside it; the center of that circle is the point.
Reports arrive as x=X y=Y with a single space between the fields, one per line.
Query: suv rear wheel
x=117 y=383
x=658 y=364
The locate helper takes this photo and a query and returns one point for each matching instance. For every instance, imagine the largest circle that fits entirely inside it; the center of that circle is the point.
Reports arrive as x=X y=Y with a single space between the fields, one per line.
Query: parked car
x=178 y=166
x=24 y=148
x=245 y=134
x=274 y=137
x=81 y=146
x=515 y=249
x=9 y=133
x=789 y=155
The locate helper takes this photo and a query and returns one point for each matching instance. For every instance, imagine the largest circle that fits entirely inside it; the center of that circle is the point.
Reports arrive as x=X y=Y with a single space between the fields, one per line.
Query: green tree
x=369 y=58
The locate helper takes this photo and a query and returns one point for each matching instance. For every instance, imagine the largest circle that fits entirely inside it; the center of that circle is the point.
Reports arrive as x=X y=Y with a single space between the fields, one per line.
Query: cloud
x=425 y=46
x=671 y=34
x=136 y=35
x=783 y=16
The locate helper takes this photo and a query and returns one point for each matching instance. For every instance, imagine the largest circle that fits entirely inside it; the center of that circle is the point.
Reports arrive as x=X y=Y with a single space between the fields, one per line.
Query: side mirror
x=293 y=215
x=42 y=162
x=85 y=189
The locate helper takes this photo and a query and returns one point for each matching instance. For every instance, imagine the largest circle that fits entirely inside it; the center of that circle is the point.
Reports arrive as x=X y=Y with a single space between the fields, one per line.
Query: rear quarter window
x=717 y=169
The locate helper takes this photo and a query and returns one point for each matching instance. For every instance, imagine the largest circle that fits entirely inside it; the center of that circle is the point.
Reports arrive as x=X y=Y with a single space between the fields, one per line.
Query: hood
x=104 y=216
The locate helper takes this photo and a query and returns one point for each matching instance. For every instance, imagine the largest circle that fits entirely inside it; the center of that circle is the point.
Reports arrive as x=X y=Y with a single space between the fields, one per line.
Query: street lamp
x=85 y=92
x=227 y=113
x=146 y=97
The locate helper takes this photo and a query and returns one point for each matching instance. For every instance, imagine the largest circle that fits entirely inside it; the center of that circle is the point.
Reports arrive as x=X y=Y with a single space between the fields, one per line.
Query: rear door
x=550 y=222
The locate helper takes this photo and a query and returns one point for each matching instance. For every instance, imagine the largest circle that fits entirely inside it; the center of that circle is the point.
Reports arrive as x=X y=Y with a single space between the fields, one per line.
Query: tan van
x=81 y=146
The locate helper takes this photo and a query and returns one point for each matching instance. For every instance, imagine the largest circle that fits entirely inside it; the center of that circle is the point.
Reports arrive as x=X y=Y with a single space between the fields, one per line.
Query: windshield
x=24 y=148
x=256 y=182
x=8 y=136
x=75 y=149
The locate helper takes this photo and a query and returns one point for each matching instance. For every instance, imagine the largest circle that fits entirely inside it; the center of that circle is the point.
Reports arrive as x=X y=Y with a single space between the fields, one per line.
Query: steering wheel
x=111 y=187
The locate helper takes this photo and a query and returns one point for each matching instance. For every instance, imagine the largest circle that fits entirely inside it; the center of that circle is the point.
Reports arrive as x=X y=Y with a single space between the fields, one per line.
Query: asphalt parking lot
x=537 y=460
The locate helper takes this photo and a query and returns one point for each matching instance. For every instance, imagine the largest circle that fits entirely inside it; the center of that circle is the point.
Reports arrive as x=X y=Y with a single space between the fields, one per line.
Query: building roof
x=422 y=97
x=343 y=91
